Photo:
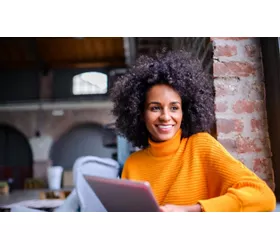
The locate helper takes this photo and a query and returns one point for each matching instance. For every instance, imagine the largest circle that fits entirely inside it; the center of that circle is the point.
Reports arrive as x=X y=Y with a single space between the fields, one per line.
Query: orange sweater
x=198 y=169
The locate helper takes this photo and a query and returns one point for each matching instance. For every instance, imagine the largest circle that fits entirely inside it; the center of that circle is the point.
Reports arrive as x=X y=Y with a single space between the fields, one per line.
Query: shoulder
x=206 y=143
x=203 y=137
x=136 y=156
x=132 y=162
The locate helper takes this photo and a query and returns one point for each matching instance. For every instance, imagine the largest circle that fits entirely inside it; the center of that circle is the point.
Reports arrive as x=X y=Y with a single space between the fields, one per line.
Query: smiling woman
x=165 y=105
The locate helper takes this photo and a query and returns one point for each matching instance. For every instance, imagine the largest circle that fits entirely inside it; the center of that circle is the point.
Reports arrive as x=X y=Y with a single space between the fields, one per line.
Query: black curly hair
x=177 y=69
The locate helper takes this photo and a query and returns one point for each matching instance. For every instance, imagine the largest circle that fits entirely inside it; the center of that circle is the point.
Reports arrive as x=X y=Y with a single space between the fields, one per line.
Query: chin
x=162 y=138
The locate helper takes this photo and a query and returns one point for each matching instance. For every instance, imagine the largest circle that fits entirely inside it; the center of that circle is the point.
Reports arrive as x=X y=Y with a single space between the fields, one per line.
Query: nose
x=165 y=116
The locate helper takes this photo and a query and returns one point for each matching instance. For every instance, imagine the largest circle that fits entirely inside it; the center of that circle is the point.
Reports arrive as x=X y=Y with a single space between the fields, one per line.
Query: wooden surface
x=23 y=195
x=32 y=53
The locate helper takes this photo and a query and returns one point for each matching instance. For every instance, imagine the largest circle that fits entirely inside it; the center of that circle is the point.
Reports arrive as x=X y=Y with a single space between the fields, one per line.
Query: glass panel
x=90 y=83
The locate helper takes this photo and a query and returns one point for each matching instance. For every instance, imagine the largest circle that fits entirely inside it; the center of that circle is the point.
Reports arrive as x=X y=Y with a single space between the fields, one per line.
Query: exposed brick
x=221 y=90
x=244 y=106
x=240 y=82
x=229 y=144
x=221 y=107
x=225 y=87
x=249 y=145
x=257 y=125
x=263 y=168
x=259 y=106
x=225 y=50
x=260 y=165
x=254 y=92
x=252 y=50
x=233 y=69
x=239 y=87
x=229 y=125
x=270 y=182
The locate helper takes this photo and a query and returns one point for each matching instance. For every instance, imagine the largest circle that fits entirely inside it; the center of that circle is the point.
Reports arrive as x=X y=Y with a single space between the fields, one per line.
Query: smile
x=165 y=128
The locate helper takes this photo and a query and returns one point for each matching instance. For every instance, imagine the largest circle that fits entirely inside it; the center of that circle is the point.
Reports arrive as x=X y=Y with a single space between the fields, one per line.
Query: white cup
x=54 y=177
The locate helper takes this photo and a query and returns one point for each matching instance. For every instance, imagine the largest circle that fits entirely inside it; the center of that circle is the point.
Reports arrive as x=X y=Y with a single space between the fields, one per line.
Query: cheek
x=150 y=118
x=179 y=118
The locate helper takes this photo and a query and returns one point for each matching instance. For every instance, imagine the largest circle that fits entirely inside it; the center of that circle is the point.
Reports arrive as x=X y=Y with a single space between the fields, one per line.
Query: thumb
x=166 y=208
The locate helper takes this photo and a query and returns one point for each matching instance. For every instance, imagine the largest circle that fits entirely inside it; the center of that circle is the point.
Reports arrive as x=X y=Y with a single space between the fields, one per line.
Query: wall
x=62 y=80
x=240 y=103
x=86 y=139
x=51 y=128
x=31 y=85
x=20 y=85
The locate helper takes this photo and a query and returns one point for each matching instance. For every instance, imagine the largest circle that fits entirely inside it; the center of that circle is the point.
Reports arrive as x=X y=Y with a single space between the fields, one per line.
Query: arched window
x=89 y=83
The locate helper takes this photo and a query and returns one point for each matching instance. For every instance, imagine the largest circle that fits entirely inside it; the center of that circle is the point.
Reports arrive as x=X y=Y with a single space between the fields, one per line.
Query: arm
x=240 y=189
x=124 y=172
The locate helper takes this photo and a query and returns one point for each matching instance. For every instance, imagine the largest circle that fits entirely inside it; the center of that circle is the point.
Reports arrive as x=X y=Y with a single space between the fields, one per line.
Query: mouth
x=164 y=128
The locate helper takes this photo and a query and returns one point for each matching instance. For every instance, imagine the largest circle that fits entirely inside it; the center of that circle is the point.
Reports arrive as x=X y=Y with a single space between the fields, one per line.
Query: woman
x=165 y=106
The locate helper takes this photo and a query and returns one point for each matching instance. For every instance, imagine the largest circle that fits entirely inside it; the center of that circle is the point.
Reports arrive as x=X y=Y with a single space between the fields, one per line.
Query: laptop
x=119 y=195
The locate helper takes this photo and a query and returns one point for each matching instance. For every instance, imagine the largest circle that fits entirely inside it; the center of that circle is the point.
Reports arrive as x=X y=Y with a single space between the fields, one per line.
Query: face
x=163 y=112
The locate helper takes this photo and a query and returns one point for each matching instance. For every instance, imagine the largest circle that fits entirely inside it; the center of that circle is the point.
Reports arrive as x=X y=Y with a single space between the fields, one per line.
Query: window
x=89 y=83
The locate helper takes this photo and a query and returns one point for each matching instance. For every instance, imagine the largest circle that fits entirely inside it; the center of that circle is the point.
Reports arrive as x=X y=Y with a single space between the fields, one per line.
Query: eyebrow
x=160 y=103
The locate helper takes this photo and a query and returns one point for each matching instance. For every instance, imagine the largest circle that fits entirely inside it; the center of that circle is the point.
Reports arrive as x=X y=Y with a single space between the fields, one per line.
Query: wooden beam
x=79 y=65
x=61 y=65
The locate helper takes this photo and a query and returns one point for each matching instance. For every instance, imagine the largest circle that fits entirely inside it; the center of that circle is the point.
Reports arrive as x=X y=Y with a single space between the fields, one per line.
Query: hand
x=176 y=208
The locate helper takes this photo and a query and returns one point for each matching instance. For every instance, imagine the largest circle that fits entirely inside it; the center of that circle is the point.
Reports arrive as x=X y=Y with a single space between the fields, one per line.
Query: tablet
x=119 y=195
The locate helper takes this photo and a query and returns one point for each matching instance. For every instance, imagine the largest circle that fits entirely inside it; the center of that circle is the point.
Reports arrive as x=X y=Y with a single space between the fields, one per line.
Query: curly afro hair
x=179 y=70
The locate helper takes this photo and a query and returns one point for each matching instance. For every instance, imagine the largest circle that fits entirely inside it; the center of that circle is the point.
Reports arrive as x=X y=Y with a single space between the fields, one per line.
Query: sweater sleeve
x=240 y=189
x=125 y=169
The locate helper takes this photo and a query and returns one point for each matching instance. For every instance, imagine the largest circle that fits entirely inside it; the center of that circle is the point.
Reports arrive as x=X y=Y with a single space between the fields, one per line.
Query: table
x=30 y=198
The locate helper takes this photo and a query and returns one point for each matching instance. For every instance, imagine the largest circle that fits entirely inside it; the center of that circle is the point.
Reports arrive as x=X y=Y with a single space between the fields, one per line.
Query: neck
x=166 y=148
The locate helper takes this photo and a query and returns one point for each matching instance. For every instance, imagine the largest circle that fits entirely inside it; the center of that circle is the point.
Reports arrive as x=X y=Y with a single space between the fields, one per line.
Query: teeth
x=164 y=126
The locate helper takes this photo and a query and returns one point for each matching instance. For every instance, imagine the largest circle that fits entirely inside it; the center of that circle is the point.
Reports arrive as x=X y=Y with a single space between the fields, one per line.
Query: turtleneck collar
x=160 y=149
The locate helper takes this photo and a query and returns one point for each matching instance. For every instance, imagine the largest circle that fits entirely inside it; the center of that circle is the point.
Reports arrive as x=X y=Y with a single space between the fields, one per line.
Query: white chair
x=82 y=197
x=94 y=166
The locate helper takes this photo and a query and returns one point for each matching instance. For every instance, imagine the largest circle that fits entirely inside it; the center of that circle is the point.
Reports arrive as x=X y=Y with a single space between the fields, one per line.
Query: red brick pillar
x=240 y=103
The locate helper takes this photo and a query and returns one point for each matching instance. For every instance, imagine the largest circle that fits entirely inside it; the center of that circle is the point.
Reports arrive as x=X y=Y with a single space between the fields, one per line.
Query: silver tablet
x=118 y=195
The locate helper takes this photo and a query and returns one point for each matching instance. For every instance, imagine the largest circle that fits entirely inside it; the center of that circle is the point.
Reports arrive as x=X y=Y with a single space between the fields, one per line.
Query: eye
x=174 y=108
x=155 y=108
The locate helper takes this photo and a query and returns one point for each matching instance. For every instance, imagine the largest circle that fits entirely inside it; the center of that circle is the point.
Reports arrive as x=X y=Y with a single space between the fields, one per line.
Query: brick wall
x=240 y=103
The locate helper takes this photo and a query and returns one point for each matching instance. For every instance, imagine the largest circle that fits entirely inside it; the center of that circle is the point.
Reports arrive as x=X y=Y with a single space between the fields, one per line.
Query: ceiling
x=53 y=53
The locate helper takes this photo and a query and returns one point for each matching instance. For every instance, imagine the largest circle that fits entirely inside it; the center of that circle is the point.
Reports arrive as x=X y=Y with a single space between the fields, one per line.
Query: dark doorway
x=271 y=65
x=82 y=140
x=15 y=156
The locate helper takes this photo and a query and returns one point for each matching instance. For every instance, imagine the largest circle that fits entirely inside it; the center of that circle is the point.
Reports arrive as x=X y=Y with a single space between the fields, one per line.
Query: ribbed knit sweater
x=198 y=169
